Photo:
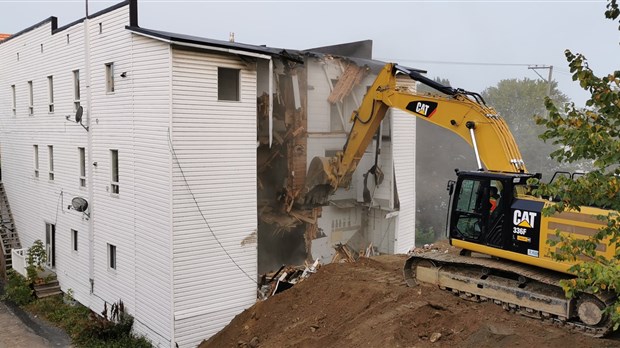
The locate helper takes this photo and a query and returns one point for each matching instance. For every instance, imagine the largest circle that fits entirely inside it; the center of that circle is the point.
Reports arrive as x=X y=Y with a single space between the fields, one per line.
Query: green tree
x=518 y=101
x=593 y=134
x=435 y=164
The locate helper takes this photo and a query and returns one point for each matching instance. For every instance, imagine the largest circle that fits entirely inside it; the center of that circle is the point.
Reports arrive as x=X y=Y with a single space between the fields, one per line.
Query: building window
x=114 y=166
x=76 y=89
x=111 y=256
x=74 y=240
x=14 y=102
x=36 y=160
x=109 y=77
x=50 y=152
x=100 y=28
x=82 y=154
x=30 y=99
x=228 y=84
x=50 y=93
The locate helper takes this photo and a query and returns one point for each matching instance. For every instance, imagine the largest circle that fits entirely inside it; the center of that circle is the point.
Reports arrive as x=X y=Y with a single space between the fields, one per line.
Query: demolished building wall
x=312 y=106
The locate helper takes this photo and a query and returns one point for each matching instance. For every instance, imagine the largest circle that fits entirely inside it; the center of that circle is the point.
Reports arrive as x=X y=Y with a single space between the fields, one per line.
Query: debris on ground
x=343 y=253
x=440 y=247
x=284 y=279
x=367 y=304
x=287 y=276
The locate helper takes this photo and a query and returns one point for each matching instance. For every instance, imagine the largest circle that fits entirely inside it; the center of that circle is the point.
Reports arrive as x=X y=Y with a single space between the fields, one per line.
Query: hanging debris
x=350 y=78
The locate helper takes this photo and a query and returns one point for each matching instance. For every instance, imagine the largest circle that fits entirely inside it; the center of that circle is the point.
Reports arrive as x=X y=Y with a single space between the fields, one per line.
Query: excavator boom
x=461 y=112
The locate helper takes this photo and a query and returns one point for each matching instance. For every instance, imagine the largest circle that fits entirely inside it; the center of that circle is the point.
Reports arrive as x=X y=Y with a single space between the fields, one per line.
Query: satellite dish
x=78 y=114
x=79 y=204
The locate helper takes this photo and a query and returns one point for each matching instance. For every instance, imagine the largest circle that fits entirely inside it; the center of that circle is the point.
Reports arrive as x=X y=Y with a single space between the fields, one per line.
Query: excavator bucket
x=321 y=181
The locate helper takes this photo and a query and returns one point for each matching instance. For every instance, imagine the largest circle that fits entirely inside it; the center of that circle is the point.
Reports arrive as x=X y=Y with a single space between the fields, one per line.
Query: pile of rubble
x=287 y=276
x=284 y=278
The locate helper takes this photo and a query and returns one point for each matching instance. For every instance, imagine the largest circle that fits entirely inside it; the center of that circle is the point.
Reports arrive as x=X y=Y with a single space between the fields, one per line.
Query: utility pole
x=548 y=80
x=534 y=68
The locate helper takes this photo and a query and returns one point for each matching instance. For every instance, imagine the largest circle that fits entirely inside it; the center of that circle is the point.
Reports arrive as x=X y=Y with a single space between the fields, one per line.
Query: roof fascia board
x=204 y=47
x=133 y=20
x=53 y=23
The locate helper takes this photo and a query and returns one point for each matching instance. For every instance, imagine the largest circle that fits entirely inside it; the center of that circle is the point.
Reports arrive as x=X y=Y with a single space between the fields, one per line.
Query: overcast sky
x=431 y=35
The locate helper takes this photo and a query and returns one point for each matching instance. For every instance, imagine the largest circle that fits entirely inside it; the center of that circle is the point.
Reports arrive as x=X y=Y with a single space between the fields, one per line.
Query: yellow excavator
x=493 y=218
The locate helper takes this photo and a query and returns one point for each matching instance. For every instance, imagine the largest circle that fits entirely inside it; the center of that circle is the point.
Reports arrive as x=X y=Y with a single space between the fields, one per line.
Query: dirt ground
x=367 y=304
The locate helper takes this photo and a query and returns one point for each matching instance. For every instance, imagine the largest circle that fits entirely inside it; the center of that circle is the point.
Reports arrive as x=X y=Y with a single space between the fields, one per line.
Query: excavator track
x=518 y=288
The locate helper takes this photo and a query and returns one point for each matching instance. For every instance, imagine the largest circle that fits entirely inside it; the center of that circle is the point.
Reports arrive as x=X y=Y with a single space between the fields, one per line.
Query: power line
x=456 y=62
x=565 y=71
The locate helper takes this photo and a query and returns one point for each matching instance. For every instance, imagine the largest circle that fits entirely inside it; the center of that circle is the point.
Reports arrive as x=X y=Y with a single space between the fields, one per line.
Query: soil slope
x=367 y=304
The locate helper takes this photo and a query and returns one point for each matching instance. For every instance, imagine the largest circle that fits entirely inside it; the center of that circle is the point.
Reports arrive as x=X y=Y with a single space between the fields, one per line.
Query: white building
x=151 y=103
x=166 y=158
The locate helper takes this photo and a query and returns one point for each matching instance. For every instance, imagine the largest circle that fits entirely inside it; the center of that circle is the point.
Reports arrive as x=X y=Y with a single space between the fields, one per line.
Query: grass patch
x=84 y=327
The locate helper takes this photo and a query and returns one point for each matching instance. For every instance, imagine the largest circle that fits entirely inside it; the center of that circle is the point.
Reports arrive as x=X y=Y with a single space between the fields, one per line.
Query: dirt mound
x=368 y=304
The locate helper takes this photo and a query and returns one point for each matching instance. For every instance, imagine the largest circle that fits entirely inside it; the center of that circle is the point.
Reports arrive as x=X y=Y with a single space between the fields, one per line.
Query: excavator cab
x=482 y=206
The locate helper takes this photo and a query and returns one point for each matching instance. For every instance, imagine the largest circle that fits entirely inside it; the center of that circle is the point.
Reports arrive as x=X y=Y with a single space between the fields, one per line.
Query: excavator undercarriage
x=519 y=288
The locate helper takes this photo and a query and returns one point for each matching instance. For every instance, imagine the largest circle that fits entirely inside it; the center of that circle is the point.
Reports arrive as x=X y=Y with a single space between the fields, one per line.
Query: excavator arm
x=461 y=112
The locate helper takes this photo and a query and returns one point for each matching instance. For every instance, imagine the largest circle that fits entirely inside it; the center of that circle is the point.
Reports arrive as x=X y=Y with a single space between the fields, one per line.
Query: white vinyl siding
x=215 y=141
x=27 y=138
x=403 y=138
x=138 y=222
x=214 y=195
x=151 y=166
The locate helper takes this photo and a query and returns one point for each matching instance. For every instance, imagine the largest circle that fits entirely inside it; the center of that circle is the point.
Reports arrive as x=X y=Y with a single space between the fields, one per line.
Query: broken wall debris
x=312 y=103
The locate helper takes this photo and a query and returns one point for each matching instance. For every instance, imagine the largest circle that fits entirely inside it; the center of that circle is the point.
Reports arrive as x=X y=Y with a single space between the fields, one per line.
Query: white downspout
x=89 y=167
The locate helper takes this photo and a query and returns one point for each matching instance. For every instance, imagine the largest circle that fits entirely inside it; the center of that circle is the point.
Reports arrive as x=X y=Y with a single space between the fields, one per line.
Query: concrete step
x=50 y=288
x=48 y=292
x=50 y=284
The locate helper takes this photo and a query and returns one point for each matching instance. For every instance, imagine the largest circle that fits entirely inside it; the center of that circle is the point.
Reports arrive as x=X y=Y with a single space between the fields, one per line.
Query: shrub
x=17 y=289
x=36 y=258
x=86 y=328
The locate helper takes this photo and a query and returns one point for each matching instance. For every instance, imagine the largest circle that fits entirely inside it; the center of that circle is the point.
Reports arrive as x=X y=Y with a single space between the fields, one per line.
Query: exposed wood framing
x=338 y=105
x=350 y=77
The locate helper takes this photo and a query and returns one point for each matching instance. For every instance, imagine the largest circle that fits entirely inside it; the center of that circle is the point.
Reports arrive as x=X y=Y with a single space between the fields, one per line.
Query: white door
x=50 y=244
